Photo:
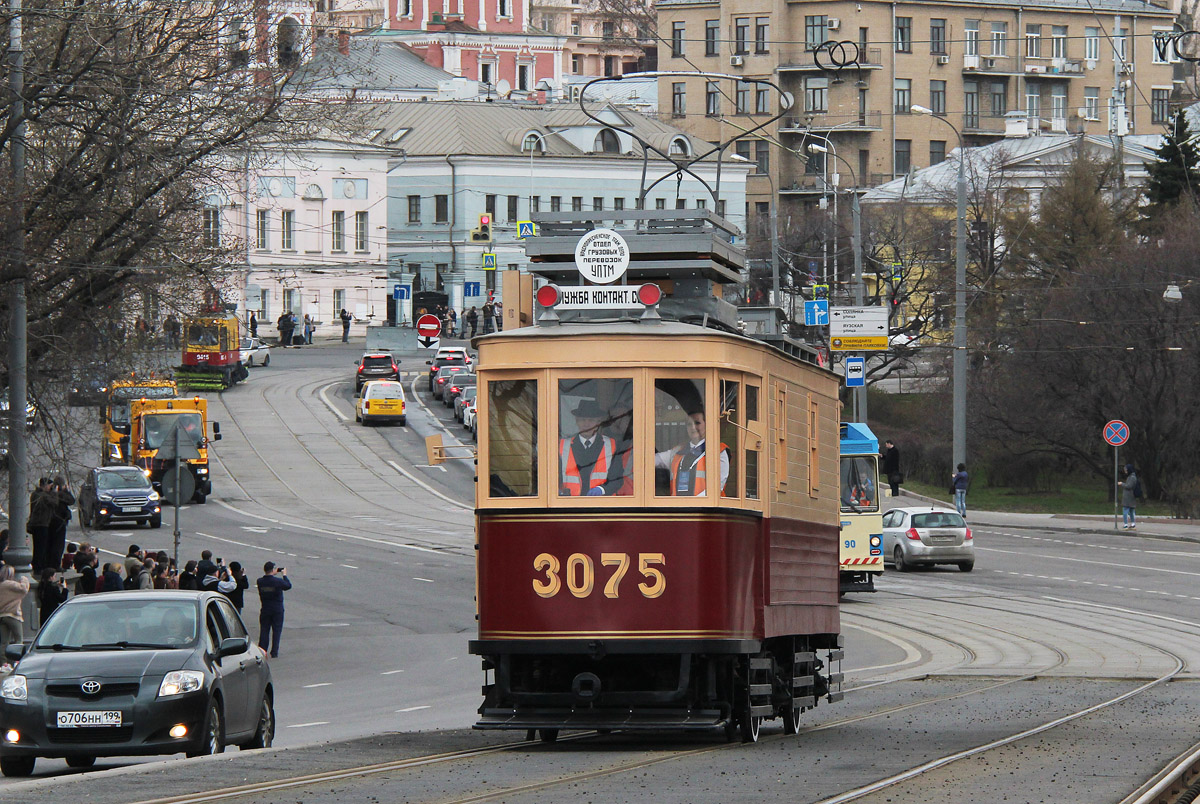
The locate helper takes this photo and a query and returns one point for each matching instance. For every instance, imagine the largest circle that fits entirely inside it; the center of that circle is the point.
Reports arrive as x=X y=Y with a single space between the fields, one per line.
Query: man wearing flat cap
x=588 y=466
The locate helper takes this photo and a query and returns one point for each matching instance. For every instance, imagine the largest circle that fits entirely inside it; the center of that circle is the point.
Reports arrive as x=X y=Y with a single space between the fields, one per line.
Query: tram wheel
x=549 y=735
x=749 y=725
x=530 y=734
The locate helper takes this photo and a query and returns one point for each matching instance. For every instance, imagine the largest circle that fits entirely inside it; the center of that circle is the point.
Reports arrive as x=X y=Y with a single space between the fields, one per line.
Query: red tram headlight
x=649 y=294
x=547 y=295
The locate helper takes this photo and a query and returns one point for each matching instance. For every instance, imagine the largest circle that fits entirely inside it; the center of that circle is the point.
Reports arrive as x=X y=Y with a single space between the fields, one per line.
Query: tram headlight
x=876 y=541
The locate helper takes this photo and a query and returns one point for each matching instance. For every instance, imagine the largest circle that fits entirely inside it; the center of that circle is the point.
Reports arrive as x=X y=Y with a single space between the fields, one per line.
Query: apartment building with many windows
x=991 y=68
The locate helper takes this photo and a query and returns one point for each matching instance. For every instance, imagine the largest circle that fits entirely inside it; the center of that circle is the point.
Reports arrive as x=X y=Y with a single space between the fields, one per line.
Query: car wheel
x=80 y=762
x=249 y=362
x=403 y=420
x=265 y=734
x=17 y=766
x=266 y=361
x=212 y=740
x=357 y=417
x=156 y=521
x=901 y=564
x=966 y=566
x=199 y=497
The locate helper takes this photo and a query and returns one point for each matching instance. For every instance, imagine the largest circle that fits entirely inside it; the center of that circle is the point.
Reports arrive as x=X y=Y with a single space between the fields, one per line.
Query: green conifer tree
x=1174 y=175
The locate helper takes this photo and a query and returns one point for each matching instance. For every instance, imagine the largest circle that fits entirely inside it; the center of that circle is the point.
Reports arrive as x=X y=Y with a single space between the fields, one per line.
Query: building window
x=556 y=203
x=742 y=149
x=1058 y=106
x=337 y=236
x=741 y=32
x=489 y=204
x=264 y=230
x=441 y=209
x=937 y=97
x=1033 y=41
x=211 y=232
x=701 y=203
x=485 y=72
x=937 y=151
x=999 y=38
x=680 y=203
x=607 y=30
x=535 y=204
x=414 y=209
x=904 y=33
x=970 y=104
x=903 y=93
x=762 y=156
x=816 y=94
x=971 y=38
x=742 y=98
x=903 y=156
x=287 y=229
x=999 y=98
x=1160 y=105
x=677 y=34
x=762 y=34
x=815 y=28
x=1091 y=103
x=937 y=36
x=762 y=101
x=660 y=203
x=678 y=99
x=597 y=203
x=712 y=37
x=512 y=208
x=575 y=29
x=502 y=9
x=577 y=203
x=1091 y=44
x=721 y=208
x=1033 y=103
x=1058 y=41
x=523 y=77
x=618 y=203
x=607 y=142
x=712 y=99
x=576 y=63
x=362 y=231
x=1119 y=40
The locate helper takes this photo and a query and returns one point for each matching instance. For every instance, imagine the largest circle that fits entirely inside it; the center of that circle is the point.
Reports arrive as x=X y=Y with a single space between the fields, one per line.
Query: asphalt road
x=379 y=546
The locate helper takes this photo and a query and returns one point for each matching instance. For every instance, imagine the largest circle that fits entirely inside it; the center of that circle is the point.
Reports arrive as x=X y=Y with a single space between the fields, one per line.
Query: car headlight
x=203 y=470
x=114 y=452
x=153 y=496
x=104 y=497
x=14 y=689
x=177 y=682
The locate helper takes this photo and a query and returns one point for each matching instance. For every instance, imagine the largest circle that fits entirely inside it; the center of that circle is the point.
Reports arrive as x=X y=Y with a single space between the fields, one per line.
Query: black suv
x=376 y=366
x=118 y=494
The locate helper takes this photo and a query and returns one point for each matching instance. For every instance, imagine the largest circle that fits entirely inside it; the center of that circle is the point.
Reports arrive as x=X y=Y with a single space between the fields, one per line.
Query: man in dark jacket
x=271 y=587
x=891 y=466
x=346 y=319
x=57 y=537
x=112 y=578
x=42 y=503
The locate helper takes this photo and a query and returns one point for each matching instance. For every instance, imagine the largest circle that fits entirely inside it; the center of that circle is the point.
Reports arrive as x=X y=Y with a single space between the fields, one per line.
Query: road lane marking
x=306 y=725
x=254 y=529
x=321 y=684
x=429 y=488
x=390 y=672
x=234 y=541
x=412 y=709
x=423 y=580
x=328 y=404
x=333 y=625
x=349 y=566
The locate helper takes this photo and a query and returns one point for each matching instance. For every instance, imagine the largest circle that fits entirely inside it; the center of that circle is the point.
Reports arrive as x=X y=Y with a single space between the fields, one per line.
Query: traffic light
x=483 y=234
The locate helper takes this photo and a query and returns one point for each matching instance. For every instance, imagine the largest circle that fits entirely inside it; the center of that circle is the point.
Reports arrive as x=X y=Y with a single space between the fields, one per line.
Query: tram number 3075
x=580 y=574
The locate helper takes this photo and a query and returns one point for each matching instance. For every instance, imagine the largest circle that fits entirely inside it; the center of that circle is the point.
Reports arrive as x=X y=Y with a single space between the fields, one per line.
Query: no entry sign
x=428 y=330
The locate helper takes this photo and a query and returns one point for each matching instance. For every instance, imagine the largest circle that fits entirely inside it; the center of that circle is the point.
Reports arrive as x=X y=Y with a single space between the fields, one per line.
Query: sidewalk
x=1185 y=530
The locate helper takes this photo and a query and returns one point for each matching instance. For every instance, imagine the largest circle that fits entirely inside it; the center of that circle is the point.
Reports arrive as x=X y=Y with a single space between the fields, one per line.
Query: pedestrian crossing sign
x=526 y=229
x=489 y=261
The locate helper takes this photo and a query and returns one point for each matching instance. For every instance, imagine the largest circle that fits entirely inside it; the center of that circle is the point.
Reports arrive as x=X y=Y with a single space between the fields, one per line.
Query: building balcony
x=991 y=125
x=808 y=184
x=823 y=121
x=991 y=65
x=1053 y=68
x=806 y=61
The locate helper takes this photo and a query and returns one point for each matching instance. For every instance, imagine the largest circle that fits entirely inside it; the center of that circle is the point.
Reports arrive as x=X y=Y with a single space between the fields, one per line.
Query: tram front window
x=680 y=428
x=202 y=335
x=512 y=438
x=859 y=487
x=595 y=438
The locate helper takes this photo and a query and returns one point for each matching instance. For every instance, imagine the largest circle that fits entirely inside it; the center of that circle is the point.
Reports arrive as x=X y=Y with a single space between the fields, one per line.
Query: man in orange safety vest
x=588 y=465
x=689 y=476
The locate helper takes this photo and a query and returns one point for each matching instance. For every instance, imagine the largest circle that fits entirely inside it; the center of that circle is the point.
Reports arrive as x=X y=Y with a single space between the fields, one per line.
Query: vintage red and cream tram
x=689 y=578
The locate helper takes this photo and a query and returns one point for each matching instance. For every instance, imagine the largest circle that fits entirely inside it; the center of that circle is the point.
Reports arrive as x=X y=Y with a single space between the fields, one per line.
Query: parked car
x=376 y=366
x=470 y=419
x=255 y=351
x=457 y=384
x=927 y=536
x=465 y=398
x=380 y=401
x=448 y=356
x=443 y=376
x=135 y=673
x=118 y=494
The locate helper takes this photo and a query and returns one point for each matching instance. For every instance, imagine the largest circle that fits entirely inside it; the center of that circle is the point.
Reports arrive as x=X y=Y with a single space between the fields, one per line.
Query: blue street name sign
x=816 y=313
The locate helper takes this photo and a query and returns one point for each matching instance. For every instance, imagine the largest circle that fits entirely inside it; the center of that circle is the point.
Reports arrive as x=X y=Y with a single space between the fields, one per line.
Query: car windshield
x=938 y=519
x=247 y=344
x=161 y=425
x=120 y=624
x=122 y=479
x=385 y=391
x=377 y=362
x=468 y=394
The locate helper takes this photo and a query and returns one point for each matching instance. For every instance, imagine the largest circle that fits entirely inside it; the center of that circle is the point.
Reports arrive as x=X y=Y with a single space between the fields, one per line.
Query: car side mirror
x=233 y=645
x=103 y=415
x=429 y=362
x=14 y=652
x=216 y=431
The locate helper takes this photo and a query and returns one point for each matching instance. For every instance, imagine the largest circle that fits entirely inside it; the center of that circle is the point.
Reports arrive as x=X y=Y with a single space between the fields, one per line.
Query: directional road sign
x=816 y=313
x=428 y=330
x=400 y=292
x=856 y=370
x=472 y=289
x=858 y=329
x=1116 y=432
x=526 y=229
x=489 y=261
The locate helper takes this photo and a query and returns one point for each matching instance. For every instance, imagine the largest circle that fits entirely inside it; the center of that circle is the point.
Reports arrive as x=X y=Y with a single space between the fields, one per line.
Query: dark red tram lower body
x=690 y=619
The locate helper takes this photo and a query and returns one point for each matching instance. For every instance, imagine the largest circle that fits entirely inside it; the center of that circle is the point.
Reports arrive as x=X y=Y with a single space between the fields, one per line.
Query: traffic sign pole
x=1116 y=433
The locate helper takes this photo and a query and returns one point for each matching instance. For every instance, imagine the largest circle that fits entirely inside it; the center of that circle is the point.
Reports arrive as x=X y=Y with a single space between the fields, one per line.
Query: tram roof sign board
x=857 y=329
x=602 y=256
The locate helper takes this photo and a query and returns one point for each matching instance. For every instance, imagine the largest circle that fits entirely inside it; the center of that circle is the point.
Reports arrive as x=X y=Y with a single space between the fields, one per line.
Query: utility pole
x=18 y=554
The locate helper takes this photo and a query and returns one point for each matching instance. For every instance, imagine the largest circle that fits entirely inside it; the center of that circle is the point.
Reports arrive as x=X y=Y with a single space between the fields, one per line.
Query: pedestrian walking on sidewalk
x=1131 y=492
x=959 y=484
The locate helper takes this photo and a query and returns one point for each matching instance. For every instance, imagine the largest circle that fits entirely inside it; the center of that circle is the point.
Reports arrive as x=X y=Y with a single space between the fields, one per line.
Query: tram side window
x=595 y=439
x=731 y=436
x=680 y=454
x=512 y=438
x=751 y=454
x=859 y=486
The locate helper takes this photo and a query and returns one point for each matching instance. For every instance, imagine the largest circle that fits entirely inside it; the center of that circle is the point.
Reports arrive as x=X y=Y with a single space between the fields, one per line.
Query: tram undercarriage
x=701 y=685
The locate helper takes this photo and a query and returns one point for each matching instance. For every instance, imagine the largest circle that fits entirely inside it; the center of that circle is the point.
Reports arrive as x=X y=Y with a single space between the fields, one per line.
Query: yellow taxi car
x=380 y=401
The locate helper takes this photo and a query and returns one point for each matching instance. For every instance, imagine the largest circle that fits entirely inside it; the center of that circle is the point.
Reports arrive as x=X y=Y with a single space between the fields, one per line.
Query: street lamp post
x=860 y=393
x=959 y=452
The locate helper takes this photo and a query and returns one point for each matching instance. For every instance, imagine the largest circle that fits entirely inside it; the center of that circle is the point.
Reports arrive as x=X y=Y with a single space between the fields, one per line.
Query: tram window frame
x=781 y=437
x=711 y=434
x=628 y=492
x=752 y=460
x=489 y=442
x=731 y=431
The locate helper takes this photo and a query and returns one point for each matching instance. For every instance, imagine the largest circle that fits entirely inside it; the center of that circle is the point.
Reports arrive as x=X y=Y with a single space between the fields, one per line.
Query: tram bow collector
x=657 y=530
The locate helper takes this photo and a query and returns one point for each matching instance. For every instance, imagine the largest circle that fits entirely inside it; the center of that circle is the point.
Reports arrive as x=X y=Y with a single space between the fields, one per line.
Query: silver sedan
x=928 y=536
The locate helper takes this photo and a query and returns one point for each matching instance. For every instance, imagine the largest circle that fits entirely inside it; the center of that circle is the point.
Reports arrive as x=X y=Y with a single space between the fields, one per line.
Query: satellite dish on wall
x=503 y=88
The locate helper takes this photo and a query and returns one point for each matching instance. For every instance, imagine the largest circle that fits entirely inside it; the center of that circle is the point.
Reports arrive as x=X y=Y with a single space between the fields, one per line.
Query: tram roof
x=857 y=439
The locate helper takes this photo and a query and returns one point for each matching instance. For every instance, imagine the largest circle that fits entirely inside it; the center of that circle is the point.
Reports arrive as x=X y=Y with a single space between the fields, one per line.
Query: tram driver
x=588 y=463
x=687 y=463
